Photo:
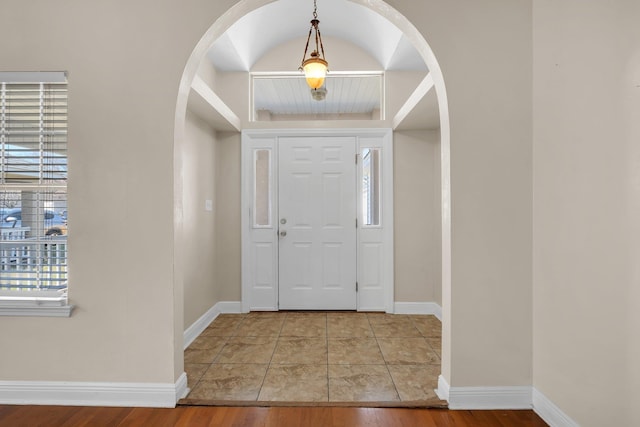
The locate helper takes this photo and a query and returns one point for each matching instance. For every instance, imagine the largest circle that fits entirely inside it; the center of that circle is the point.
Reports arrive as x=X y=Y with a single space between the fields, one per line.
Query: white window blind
x=33 y=189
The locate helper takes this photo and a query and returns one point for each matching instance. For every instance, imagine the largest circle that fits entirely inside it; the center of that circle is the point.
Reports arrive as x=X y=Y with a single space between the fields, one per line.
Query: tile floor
x=315 y=357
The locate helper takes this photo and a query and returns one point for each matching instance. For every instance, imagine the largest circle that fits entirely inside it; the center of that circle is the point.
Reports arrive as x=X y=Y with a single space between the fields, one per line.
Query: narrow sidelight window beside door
x=262 y=188
x=370 y=186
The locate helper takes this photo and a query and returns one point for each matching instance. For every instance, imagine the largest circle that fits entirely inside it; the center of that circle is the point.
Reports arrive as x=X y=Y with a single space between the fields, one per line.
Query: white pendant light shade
x=315 y=71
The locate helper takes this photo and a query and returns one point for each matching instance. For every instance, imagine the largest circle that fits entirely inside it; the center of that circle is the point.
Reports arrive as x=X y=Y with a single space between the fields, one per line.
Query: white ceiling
x=345 y=95
x=258 y=32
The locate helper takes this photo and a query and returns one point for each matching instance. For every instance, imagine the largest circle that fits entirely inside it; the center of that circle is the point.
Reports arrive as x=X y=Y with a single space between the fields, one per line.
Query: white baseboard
x=513 y=397
x=192 y=332
x=155 y=395
x=229 y=306
x=549 y=412
x=182 y=389
x=418 y=308
x=443 y=388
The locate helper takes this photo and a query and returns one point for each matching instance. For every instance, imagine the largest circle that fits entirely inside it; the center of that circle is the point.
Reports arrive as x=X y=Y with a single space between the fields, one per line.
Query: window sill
x=36 y=310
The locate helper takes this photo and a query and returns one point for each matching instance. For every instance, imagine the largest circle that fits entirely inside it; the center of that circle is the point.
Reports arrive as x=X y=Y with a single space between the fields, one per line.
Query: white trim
x=388 y=264
x=443 y=388
x=36 y=310
x=193 y=331
x=200 y=87
x=549 y=412
x=229 y=307
x=268 y=295
x=512 y=397
x=33 y=76
x=157 y=395
x=182 y=389
x=378 y=296
x=516 y=397
x=432 y=308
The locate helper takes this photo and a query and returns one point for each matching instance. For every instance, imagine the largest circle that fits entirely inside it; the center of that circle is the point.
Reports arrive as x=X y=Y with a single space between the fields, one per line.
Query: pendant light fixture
x=315 y=67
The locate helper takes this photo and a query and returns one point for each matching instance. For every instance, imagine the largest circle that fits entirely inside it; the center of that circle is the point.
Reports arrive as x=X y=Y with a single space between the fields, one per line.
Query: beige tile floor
x=315 y=357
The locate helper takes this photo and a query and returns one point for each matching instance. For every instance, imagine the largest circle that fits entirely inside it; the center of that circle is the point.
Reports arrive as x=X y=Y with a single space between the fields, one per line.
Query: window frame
x=40 y=302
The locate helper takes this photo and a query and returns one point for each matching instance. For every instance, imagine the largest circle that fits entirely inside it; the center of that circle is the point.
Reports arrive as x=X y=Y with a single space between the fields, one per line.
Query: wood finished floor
x=68 y=416
x=316 y=357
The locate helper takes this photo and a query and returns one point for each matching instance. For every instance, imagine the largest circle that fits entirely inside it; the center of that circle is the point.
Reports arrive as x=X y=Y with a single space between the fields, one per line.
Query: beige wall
x=228 y=256
x=211 y=239
x=200 y=231
x=418 y=276
x=486 y=60
x=587 y=209
x=399 y=86
x=124 y=65
x=233 y=89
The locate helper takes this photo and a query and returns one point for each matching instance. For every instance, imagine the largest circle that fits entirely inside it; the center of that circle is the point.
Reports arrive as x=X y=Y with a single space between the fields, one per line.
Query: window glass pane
x=370 y=186
x=262 y=190
x=33 y=195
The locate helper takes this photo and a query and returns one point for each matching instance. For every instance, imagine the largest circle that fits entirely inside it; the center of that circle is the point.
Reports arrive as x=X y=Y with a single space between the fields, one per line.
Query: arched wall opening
x=242 y=8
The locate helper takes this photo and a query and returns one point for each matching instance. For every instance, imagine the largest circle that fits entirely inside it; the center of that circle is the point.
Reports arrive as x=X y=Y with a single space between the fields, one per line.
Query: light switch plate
x=208 y=205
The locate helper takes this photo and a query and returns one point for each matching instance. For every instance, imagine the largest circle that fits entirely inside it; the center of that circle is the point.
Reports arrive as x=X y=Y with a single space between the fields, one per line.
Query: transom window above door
x=343 y=96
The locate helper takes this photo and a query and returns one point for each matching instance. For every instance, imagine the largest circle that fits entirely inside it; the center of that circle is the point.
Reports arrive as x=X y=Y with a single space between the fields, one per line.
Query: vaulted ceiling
x=264 y=29
x=258 y=32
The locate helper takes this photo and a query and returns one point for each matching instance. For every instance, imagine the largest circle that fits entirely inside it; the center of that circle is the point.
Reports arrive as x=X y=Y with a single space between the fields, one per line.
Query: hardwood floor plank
x=46 y=416
x=230 y=416
x=67 y=416
x=6 y=411
x=309 y=416
x=157 y=417
x=438 y=418
x=95 y=416
x=199 y=417
x=239 y=417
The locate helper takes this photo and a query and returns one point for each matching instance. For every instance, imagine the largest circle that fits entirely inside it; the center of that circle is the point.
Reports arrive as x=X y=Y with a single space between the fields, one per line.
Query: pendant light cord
x=314 y=24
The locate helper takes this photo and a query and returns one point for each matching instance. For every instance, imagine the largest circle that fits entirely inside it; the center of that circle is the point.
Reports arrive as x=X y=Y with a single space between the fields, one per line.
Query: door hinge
x=356 y=286
x=356 y=158
x=356 y=222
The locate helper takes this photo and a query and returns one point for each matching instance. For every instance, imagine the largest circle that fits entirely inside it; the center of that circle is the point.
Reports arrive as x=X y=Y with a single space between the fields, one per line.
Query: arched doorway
x=383 y=9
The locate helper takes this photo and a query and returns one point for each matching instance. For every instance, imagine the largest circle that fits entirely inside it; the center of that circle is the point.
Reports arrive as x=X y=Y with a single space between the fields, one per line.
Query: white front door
x=317 y=223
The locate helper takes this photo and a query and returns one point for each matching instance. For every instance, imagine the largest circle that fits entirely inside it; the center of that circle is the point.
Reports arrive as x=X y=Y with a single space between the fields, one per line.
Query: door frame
x=375 y=263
